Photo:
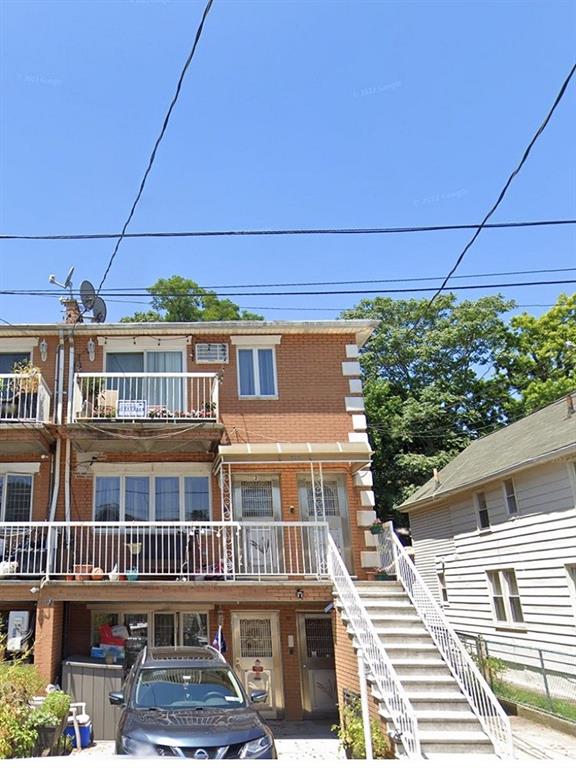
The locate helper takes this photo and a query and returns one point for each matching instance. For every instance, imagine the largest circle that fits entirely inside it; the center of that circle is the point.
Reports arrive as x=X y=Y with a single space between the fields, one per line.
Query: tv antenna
x=67 y=284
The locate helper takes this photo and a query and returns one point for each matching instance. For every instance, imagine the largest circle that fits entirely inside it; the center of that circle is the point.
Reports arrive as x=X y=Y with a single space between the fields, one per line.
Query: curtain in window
x=196 y=499
x=137 y=498
x=167 y=498
x=164 y=392
x=266 y=371
x=246 y=365
x=107 y=502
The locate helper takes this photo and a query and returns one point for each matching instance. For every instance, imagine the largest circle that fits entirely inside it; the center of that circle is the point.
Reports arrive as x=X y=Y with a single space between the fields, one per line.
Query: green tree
x=540 y=356
x=179 y=299
x=430 y=385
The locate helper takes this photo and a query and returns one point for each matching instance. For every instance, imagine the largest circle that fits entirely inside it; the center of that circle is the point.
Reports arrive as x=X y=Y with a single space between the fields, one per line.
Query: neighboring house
x=494 y=537
x=174 y=477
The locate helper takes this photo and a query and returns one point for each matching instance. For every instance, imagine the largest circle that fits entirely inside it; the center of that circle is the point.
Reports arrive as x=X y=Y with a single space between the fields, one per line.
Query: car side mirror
x=258 y=697
x=116 y=697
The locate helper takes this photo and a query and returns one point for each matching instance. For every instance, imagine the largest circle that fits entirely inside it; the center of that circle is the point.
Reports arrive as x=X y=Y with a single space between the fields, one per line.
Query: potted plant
x=350 y=731
x=50 y=719
x=376 y=527
x=26 y=387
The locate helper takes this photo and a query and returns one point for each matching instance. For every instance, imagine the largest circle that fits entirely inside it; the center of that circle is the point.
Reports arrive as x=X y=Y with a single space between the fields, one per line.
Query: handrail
x=146 y=375
x=479 y=695
x=384 y=677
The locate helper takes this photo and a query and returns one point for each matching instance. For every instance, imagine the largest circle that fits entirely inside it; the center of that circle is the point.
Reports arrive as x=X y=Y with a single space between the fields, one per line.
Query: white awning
x=272 y=453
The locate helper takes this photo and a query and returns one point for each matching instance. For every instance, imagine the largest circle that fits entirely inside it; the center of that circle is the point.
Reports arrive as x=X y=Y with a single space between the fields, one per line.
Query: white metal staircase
x=429 y=690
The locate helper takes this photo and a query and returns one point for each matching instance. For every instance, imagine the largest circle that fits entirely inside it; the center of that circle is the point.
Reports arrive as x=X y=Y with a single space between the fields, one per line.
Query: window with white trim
x=211 y=353
x=174 y=628
x=510 y=497
x=441 y=576
x=505 y=596
x=256 y=497
x=482 y=510
x=15 y=498
x=141 y=498
x=571 y=575
x=9 y=359
x=257 y=372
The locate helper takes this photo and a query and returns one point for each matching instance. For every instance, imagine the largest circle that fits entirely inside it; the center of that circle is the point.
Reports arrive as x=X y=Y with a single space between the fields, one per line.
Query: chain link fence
x=539 y=678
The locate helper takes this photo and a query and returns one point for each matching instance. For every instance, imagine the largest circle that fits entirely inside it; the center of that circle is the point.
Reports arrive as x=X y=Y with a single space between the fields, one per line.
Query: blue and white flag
x=219 y=643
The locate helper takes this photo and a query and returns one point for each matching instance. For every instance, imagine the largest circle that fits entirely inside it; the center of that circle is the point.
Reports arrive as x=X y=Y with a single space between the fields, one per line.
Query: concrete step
x=439 y=701
x=463 y=722
x=395 y=620
x=451 y=742
x=396 y=604
x=395 y=635
x=412 y=650
x=385 y=594
x=428 y=683
x=410 y=666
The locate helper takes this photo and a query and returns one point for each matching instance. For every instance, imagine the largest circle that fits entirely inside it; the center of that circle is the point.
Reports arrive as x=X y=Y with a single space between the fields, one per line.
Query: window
x=143 y=498
x=510 y=495
x=571 y=574
x=441 y=575
x=163 y=629
x=505 y=597
x=332 y=494
x=211 y=353
x=482 y=510
x=15 y=498
x=9 y=359
x=256 y=497
x=257 y=372
x=154 y=390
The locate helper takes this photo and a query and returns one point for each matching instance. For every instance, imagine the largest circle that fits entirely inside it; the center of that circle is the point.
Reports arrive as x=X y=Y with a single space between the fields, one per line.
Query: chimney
x=570 y=405
x=72 y=314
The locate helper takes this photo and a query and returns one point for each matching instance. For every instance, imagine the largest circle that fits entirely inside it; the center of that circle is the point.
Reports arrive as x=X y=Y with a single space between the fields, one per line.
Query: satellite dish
x=98 y=310
x=68 y=281
x=87 y=294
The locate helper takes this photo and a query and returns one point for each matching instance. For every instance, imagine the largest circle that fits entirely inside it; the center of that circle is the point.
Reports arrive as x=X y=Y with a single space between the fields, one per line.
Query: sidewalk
x=538 y=741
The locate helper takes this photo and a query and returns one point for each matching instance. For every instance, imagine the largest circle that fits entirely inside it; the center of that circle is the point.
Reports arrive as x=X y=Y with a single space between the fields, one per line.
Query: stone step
x=428 y=683
x=424 y=666
x=412 y=650
x=463 y=722
x=451 y=742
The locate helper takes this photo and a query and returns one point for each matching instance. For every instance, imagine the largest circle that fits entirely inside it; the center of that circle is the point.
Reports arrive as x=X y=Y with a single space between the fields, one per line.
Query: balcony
x=134 y=551
x=137 y=397
x=24 y=397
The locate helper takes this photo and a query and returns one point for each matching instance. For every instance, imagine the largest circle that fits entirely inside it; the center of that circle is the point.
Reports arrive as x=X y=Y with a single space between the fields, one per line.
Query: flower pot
x=385 y=577
x=97 y=574
x=82 y=572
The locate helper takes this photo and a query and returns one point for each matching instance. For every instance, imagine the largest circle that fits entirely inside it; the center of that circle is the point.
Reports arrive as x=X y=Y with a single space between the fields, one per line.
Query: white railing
x=384 y=678
x=24 y=397
x=393 y=558
x=145 y=396
x=150 y=550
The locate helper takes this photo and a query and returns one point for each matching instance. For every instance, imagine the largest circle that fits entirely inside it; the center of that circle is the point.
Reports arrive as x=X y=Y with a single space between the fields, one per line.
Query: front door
x=256 y=641
x=335 y=509
x=318 y=674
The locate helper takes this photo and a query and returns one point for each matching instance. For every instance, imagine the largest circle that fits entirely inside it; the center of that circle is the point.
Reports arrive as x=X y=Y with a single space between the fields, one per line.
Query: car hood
x=205 y=727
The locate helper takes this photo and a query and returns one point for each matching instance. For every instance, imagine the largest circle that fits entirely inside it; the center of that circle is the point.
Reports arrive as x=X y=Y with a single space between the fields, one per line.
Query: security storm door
x=256 y=505
x=256 y=640
x=335 y=509
x=318 y=674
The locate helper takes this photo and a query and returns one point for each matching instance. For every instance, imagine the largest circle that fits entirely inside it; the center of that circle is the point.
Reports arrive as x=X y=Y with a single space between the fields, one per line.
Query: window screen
x=256 y=498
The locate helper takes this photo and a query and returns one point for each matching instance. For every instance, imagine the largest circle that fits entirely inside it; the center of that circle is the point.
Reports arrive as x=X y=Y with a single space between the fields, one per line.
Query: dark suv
x=187 y=702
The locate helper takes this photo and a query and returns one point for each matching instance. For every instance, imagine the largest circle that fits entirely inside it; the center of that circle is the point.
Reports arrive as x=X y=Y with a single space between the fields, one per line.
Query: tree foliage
x=539 y=359
x=179 y=299
x=426 y=385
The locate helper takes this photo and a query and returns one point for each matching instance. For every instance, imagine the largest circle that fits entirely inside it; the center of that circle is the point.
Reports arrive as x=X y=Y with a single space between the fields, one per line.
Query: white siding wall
x=538 y=543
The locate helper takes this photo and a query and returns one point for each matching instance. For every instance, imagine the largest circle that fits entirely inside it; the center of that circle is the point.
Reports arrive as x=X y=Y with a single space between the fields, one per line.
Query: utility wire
x=158 y=141
x=417 y=289
x=504 y=190
x=110 y=292
x=282 y=232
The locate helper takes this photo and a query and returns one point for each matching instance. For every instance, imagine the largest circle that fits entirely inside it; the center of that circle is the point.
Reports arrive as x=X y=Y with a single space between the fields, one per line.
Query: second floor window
x=257 y=372
x=505 y=596
x=482 y=510
x=15 y=498
x=510 y=496
x=143 y=498
x=9 y=359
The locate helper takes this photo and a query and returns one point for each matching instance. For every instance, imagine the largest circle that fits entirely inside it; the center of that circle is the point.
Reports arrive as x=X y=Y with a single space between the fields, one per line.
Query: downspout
x=59 y=389
x=67 y=515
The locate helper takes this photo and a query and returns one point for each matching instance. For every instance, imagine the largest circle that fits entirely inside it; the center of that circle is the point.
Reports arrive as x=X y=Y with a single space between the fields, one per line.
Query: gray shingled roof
x=529 y=440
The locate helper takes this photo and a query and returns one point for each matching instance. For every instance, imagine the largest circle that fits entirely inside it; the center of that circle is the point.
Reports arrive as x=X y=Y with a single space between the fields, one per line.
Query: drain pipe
x=67 y=515
x=59 y=379
x=59 y=391
x=364 y=704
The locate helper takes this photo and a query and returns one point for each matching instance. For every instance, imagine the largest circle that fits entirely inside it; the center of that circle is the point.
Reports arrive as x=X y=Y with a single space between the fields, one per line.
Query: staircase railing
x=479 y=695
x=384 y=678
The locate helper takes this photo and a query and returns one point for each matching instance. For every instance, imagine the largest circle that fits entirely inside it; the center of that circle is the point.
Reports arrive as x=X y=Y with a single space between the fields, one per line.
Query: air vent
x=211 y=353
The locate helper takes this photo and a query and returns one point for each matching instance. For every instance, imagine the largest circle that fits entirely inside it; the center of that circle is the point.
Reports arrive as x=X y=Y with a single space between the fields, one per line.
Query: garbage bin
x=132 y=647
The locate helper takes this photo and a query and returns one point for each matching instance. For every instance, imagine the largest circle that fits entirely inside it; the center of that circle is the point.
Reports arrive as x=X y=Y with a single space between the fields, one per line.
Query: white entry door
x=335 y=509
x=257 y=661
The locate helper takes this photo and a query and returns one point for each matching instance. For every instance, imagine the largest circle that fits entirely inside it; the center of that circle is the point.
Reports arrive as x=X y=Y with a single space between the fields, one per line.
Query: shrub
x=351 y=734
x=18 y=732
x=57 y=704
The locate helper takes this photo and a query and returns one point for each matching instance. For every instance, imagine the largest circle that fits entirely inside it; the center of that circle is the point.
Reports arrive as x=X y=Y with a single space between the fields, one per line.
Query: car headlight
x=255 y=747
x=139 y=748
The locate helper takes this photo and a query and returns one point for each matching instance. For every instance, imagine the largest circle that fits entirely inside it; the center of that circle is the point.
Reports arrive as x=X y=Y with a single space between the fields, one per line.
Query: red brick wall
x=48 y=639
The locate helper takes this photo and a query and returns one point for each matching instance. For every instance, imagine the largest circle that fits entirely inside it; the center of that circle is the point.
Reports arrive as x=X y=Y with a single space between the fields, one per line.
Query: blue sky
x=293 y=114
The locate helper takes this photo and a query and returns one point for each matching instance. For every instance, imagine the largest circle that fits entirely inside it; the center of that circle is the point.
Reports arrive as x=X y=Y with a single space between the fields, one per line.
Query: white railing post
x=482 y=700
x=364 y=705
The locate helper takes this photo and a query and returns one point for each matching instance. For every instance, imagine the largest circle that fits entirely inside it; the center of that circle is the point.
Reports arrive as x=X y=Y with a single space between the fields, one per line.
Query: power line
x=283 y=232
x=417 y=289
x=502 y=194
x=110 y=292
x=158 y=141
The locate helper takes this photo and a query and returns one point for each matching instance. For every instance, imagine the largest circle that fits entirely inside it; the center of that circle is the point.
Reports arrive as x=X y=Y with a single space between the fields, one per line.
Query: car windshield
x=185 y=688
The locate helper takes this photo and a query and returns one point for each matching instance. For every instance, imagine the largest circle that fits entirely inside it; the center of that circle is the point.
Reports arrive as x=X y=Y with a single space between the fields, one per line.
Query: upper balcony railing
x=23 y=397
x=128 y=397
x=163 y=550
